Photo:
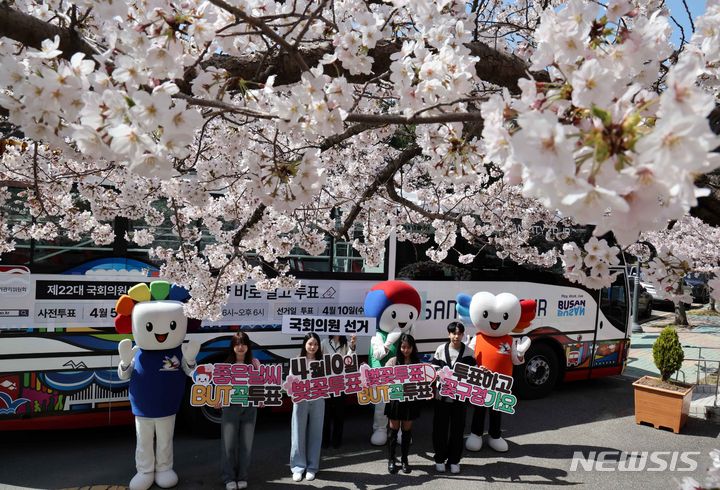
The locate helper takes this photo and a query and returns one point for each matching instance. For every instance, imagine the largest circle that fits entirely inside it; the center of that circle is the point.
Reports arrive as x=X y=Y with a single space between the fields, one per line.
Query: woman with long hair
x=402 y=413
x=307 y=423
x=237 y=423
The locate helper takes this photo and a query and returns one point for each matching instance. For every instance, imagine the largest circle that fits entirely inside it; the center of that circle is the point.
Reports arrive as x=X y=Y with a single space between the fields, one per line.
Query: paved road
x=585 y=416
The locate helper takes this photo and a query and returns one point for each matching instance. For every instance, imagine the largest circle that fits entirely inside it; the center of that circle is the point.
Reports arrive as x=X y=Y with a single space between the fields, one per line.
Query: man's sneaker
x=440 y=467
x=309 y=476
x=242 y=484
x=297 y=476
x=474 y=442
x=231 y=485
x=455 y=468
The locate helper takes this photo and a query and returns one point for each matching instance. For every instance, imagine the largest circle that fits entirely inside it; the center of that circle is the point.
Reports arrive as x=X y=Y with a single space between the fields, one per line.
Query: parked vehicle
x=645 y=298
x=698 y=282
x=658 y=302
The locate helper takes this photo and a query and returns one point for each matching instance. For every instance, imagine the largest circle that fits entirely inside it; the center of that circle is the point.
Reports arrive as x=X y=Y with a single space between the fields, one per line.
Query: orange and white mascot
x=495 y=317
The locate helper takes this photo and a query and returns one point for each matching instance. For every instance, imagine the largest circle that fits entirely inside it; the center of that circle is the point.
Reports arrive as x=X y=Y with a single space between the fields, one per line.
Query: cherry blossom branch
x=393 y=194
x=252 y=221
x=369 y=120
x=496 y=67
x=384 y=119
x=31 y=32
x=265 y=29
x=449 y=216
x=308 y=23
x=385 y=174
x=348 y=133
x=223 y=106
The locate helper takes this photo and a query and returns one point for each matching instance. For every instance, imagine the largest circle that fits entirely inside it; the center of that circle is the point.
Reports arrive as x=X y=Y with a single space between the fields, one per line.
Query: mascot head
x=203 y=374
x=496 y=316
x=154 y=315
x=395 y=304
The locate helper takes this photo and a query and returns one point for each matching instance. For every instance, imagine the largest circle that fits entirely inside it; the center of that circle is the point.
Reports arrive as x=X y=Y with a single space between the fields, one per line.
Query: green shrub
x=668 y=353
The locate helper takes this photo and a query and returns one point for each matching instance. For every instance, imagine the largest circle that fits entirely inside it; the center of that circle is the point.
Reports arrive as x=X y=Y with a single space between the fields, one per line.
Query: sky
x=697 y=7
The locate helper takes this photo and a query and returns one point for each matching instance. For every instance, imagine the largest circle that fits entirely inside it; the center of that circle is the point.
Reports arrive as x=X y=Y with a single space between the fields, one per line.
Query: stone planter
x=661 y=407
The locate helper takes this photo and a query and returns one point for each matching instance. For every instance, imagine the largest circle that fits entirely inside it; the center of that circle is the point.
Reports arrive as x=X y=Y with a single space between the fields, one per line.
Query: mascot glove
x=190 y=351
x=378 y=349
x=392 y=338
x=522 y=346
x=126 y=352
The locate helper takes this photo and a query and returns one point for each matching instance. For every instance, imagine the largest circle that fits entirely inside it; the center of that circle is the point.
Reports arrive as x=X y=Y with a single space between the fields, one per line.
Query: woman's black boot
x=405 y=448
x=392 y=445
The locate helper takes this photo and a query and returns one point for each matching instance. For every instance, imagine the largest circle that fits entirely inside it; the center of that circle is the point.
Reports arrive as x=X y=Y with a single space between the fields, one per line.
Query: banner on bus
x=478 y=386
x=328 y=325
x=405 y=382
x=67 y=300
x=223 y=384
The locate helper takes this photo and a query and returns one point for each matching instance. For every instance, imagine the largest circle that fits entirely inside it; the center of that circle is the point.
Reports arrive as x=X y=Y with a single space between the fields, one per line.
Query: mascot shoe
x=142 y=481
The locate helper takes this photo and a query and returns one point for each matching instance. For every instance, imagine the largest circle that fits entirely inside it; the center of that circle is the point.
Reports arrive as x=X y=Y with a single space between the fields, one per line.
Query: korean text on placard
x=222 y=384
x=322 y=378
x=479 y=386
x=405 y=382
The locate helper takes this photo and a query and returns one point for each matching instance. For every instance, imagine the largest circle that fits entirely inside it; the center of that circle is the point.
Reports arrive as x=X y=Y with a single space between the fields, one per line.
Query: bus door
x=612 y=326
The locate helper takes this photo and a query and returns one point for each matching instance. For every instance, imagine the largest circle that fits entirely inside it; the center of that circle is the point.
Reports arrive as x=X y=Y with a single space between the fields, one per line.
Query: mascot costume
x=396 y=306
x=495 y=317
x=156 y=367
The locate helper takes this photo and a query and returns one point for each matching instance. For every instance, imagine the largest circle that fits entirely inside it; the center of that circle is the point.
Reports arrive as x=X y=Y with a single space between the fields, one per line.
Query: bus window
x=339 y=257
x=614 y=304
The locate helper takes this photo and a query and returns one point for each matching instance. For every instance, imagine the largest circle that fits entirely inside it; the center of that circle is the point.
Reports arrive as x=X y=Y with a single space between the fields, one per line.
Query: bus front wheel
x=537 y=377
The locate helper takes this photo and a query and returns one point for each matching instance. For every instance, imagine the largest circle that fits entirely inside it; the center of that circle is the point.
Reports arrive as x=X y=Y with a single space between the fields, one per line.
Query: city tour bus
x=58 y=346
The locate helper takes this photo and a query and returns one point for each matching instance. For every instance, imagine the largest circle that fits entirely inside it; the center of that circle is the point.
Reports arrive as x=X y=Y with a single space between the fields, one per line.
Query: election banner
x=312 y=379
x=328 y=325
x=479 y=386
x=223 y=384
x=404 y=382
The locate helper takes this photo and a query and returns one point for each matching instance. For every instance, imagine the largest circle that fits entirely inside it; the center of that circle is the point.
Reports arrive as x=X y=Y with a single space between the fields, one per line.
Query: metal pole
x=636 y=328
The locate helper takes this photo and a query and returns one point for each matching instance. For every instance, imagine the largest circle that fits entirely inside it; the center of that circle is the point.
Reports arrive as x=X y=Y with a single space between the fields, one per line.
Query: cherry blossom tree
x=687 y=245
x=265 y=125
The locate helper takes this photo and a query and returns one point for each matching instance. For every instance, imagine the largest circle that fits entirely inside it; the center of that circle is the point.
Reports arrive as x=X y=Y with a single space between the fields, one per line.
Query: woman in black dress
x=402 y=413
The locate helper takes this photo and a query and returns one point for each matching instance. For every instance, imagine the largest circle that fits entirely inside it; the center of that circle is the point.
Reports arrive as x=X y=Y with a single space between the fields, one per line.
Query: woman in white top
x=335 y=405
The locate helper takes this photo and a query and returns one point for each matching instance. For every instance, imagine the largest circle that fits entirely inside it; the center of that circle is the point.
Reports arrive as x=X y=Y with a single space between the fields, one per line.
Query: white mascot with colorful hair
x=156 y=367
x=396 y=305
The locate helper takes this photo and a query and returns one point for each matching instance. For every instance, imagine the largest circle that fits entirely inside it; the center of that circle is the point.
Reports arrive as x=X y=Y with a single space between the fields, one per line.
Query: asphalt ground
x=587 y=416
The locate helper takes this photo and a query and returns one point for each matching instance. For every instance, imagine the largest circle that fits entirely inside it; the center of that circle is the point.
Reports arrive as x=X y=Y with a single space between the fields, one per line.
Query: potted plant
x=660 y=401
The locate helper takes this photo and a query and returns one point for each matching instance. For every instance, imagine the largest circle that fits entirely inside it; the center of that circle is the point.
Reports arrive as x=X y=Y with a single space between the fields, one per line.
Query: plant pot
x=662 y=407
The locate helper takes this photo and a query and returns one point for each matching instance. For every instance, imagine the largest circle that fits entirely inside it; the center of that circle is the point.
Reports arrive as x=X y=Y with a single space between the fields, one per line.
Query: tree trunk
x=680 y=315
x=711 y=304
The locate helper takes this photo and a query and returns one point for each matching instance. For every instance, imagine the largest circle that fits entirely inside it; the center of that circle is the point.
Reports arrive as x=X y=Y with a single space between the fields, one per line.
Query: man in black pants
x=449 y=417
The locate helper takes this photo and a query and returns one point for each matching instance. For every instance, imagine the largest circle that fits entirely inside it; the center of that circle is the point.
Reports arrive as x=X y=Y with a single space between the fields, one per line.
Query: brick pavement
x=701 y=344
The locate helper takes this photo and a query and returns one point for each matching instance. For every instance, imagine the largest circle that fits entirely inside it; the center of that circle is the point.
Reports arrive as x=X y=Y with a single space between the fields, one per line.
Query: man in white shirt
x=449 y=417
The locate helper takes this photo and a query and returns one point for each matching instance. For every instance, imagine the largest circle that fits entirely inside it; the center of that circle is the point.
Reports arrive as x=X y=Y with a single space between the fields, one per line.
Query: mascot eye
x=485 y=314
x=393 y=314
x=149 y=326
x=411 y=315
x=173 y=325
x=505 y=316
